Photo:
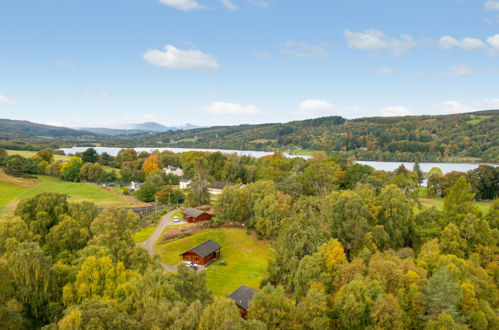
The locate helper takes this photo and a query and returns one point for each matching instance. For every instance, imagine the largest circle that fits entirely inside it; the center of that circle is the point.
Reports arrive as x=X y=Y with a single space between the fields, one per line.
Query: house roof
x=243 y=296
x=192 y=212
x=204 y=249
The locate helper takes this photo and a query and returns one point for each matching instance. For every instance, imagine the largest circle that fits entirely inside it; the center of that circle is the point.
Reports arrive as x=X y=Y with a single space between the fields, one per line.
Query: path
x=148 y=244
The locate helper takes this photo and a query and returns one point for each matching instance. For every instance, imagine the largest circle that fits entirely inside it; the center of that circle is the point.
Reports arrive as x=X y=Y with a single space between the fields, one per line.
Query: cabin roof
x=242 y=296
x=192 y=212
x=204 y=249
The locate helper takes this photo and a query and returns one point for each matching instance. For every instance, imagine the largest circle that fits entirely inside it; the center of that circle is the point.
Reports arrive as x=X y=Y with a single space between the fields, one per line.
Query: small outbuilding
x=203 y=253
x=242 y=298
x=194 y=215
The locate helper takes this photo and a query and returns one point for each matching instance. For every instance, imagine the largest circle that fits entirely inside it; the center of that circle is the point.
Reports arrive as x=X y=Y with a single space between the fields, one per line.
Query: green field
x=247 y=258
x=29 y=154
x=439 y=204
x=13 y=190
x=144 y=234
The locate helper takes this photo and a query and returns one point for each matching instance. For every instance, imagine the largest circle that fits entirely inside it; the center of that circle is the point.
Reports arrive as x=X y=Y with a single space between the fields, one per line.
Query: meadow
x=13 y=190
x=29 y=154
x=246 y=257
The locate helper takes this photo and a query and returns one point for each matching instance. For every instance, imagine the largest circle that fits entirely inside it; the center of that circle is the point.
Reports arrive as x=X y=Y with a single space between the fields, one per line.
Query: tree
x=348 y=217
x=90 y=156
x=311 y=312
x=97 y=278
x=442 y=294
x=150 y=165
x=16 y=165
x=451 y=241
x=356 y=173
x=271 y=307
x=321 y=178
x=170 y=196
x=126 y=155
x=221 y=314
x=67 y=236
x=270 y=212
x=198 y=190
x=113 y=228
x=189 y=284
x=458 y=203
x=488 y=181
x=42 y=212
x=12 y=227
x=418 y=173
x=46 y=155
x=353 y=305
x=3 y=156
x=71 y=170
x=395 y=215
x=387 y=314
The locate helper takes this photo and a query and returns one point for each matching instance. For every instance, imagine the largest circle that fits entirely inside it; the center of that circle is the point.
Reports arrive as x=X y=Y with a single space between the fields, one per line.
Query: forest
x=469 y=137
x=354 y=247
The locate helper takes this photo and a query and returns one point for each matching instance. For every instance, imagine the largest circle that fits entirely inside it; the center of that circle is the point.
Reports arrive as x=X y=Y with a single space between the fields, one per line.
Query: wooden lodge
x=203 y=253
x=242 y=298
x=195 y=215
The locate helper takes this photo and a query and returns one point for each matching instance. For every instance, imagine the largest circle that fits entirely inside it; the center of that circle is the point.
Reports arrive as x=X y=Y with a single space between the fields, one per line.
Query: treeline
x=424 y=138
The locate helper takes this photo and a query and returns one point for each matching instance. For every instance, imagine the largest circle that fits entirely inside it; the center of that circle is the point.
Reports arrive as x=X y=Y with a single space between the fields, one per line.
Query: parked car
x=191 y=265
x=176 y=219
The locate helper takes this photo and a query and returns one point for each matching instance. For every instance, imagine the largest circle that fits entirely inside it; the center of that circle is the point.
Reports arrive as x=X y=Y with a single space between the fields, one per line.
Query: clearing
x=13 y=190
x=246 y=256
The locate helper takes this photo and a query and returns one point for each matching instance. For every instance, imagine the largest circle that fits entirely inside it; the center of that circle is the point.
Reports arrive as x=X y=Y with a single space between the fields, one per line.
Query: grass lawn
x=13 y=190
x=302 y=152
x=144 y=234
x=247 y=258
x=439 y=204
x=29 y=154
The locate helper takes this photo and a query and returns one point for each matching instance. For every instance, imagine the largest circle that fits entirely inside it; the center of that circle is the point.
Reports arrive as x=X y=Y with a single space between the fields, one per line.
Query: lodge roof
x=192 y=212
x=204 y=249
x=243 y=296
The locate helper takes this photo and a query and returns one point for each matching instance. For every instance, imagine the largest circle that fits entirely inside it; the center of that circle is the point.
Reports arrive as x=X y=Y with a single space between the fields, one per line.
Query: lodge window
x=196 y=258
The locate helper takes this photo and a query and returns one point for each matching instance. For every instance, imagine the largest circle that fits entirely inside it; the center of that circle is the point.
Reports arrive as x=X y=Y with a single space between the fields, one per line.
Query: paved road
x=148 y=244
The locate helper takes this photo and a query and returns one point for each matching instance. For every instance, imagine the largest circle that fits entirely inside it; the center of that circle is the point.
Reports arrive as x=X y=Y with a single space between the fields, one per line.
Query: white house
x=134 y=186
x=184 y=183
x=174 y=170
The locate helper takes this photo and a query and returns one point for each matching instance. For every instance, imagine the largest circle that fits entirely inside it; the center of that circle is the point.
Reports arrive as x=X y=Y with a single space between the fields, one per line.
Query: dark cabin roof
x=204 y=249
x=243 y=296
x=192 y=212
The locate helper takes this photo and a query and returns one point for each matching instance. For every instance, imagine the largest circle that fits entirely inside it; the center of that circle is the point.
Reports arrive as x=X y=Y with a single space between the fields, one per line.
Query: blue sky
x=216 y=62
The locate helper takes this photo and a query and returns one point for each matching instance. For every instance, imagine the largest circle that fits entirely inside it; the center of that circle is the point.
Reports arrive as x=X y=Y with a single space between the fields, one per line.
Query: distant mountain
x=22 y=128
x=137 y=129
x=157 y=127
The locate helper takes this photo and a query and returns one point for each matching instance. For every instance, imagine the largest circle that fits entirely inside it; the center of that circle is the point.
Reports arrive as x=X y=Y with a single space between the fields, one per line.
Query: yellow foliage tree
x=333 y=254
x=150 y=165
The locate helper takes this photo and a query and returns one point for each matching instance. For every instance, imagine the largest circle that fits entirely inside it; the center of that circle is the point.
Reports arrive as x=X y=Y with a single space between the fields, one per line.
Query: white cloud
x=459 y=70
x=259 y=3
x=384 y=70
x=491 y=5
x=372 y=40
x=175 y=58
x=319 y=108
x=226 y=108
x=6 y=100
x=448 y=42
x=228 y=4
x=184 y=5
x=450 y=106
x=494 y=42
x=302 y=49
x=395 y=111
x=260 y=54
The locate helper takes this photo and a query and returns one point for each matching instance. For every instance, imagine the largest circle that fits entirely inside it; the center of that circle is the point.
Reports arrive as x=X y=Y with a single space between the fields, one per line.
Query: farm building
x=184 y=183
x=174 y=170
x=195 y=215
x=203 y=253
x=242 y=298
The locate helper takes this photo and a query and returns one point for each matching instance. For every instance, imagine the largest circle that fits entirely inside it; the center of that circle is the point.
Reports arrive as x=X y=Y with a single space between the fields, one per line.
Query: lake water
x=386 y=166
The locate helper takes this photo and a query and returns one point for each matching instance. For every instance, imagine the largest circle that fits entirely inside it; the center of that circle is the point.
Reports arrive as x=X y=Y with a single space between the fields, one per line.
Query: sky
x=105 y=63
